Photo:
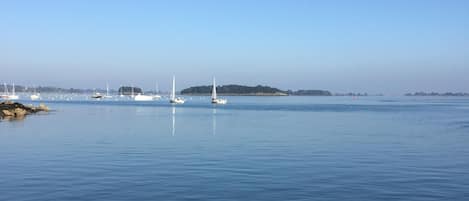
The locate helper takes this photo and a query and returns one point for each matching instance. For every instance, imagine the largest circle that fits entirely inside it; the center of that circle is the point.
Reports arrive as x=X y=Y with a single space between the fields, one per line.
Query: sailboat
x=141 y=97
x=173 y=99
x=216 y=100
x=13 y=96
x=107 y=92
x=97 y=95
x=35 y=95
x=5 y=93
x=156 y=96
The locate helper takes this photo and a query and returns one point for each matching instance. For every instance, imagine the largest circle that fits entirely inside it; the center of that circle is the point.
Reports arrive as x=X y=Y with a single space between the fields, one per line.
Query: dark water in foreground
x=255 y=148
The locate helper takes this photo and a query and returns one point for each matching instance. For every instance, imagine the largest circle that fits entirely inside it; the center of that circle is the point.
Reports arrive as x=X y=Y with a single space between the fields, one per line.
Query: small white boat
x=35 y=95
x=215 y=99
x=156 y=96
x=11 y=96
x=173 y=99
x=107 y=92
x=141 y=97
x=97 y=95
x=5 y=93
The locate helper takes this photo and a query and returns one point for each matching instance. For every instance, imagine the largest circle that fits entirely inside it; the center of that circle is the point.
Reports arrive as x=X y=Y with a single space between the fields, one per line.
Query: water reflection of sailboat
x=173 y=116
x=214 y=121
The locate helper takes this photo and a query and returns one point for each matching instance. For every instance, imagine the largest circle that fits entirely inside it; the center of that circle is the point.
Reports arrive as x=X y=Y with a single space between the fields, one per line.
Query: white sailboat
x=173 y=99
x=156 y=95
x=35 y=95
x=107 y=92
x=215 y=99
x=13 y=96
x=5 y=93
x=96 y=95
x=141 y=97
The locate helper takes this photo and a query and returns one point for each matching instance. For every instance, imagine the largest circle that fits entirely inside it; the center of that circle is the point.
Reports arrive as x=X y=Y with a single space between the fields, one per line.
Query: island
x=235 y=90
x=259 y=90
x=303 y=92
x=125 y=90
x=437 y=94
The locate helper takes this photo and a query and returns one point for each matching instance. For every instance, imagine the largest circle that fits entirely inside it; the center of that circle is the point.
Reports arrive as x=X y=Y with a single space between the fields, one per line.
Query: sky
x=388 y=46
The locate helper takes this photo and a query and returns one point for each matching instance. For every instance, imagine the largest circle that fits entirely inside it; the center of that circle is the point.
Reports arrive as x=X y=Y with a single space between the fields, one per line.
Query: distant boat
x=9 y=96
x=107 y=92
x=156 y=95
x=5 y=93
x=141 y=97
x=215 y=99
x=173 y=99
x=35 y=95
x=97 y=95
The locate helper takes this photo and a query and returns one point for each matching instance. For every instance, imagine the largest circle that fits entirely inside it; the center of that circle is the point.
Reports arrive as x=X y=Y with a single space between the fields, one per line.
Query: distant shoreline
x=446 y=94
x=235 y=94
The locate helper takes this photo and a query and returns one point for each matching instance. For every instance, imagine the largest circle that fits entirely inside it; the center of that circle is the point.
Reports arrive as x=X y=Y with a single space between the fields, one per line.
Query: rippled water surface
x=254 y=148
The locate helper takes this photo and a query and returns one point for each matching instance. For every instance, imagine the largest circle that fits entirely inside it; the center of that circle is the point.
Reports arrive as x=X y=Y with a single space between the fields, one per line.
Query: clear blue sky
x=374 y=46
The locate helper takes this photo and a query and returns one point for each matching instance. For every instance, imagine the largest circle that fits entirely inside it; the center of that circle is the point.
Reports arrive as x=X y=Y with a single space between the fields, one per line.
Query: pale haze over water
x=390 y=47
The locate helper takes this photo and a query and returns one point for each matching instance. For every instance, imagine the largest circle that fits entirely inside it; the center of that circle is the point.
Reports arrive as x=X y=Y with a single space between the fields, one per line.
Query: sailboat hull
x=176 y=101
x=219 y=101
x=35 y=97
x=13 y=97
x=143 y=98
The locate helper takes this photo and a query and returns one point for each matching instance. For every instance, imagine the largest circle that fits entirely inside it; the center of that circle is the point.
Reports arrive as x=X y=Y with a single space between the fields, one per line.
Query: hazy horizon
x=390 y=47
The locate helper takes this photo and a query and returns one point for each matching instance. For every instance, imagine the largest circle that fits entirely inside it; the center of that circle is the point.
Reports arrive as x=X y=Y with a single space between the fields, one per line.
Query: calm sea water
x=254 y=148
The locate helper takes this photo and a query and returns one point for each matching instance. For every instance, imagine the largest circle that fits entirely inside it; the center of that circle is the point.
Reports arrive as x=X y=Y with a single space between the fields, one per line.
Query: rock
x=7 y=113
x=43 y=107
x=17 y=110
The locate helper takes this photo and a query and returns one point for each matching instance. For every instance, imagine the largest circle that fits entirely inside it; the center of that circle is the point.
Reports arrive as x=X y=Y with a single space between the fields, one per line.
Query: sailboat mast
x=6 y=88
x=214 y=90
x=107 y=89
x=13 y=90
x=173 y=92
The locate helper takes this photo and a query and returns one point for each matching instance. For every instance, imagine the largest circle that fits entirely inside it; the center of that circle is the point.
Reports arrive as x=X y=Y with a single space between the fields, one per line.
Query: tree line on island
x=258 y=90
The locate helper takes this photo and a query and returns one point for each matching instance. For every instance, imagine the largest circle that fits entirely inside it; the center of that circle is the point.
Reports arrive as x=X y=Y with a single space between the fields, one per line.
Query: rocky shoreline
x=14 y=110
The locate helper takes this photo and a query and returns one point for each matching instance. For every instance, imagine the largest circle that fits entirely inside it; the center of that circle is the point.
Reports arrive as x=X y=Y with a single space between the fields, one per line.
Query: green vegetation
x=128 y=90
x=310 y=93
x=235 y=90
